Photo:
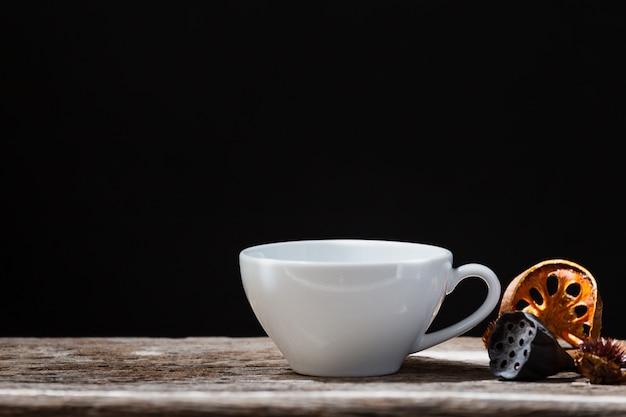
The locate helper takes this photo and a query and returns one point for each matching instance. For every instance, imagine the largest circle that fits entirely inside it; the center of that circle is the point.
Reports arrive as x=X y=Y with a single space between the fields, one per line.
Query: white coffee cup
x=355 y=307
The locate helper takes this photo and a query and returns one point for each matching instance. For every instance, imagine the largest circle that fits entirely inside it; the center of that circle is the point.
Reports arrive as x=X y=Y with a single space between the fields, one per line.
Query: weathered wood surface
x=249 y=376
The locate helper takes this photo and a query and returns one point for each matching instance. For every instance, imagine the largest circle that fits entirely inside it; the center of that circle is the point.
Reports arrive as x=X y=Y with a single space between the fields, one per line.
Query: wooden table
x=249 y=376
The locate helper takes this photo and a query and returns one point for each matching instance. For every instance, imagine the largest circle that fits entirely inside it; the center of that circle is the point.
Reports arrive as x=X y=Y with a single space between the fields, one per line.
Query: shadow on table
x=425 y=369
x=420 y=369
x=429 y=370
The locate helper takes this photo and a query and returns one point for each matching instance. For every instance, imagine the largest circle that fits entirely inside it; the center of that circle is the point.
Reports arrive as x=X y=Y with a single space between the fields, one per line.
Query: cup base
x=347 y=373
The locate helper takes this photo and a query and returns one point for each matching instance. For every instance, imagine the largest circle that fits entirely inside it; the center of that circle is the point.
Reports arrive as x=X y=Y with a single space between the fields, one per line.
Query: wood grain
x=249 y=376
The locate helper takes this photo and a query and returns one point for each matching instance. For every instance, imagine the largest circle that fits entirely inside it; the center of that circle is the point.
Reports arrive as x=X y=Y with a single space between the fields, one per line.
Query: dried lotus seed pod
x=521 y=347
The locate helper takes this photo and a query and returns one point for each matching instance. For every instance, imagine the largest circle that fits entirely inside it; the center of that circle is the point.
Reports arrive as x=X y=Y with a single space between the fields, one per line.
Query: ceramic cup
x=345 y=307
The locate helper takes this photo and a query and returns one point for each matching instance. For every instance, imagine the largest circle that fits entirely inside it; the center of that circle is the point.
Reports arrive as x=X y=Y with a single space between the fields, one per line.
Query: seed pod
x=602 y=361
x=521 y=347
x=562 y=294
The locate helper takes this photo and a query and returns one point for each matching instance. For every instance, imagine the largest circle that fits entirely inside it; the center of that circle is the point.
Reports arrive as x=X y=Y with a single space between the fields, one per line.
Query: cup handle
x=492 y=299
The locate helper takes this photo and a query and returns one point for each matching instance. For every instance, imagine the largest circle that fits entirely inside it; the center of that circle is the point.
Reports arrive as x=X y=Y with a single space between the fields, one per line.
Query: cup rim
x=438 y=252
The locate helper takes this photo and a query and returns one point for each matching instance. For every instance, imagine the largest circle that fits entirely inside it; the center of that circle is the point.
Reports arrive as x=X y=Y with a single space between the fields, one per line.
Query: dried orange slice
x=562 y=294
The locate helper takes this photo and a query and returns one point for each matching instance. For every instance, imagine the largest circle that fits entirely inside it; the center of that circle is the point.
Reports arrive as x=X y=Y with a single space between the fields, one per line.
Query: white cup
x=346 y=307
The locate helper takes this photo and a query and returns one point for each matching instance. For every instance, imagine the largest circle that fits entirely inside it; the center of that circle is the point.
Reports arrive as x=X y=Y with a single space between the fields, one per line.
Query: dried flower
x=487 y=333
x=602 y=360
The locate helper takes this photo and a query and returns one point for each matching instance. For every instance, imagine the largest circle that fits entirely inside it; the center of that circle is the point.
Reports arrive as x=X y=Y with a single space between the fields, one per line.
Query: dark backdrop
x=144 y=144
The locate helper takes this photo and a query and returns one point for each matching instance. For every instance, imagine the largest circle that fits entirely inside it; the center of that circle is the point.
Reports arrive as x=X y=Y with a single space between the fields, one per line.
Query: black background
x=144 y=144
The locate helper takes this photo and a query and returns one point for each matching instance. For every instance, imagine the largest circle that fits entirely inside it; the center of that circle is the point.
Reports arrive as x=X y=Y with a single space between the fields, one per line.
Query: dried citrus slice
x=562 y=294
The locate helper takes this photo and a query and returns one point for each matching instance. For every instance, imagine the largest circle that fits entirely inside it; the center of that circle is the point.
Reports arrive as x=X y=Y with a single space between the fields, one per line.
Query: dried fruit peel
x=562 y=294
